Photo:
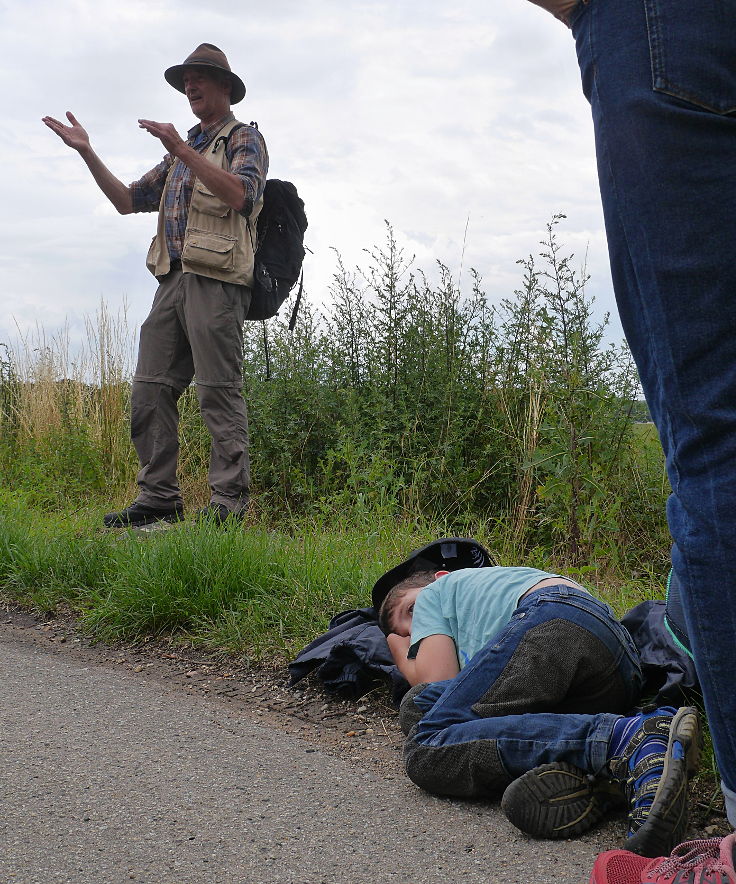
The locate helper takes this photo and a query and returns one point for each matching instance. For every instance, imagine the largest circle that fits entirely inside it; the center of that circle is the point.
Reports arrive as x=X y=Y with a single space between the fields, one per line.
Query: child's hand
x=399 y=647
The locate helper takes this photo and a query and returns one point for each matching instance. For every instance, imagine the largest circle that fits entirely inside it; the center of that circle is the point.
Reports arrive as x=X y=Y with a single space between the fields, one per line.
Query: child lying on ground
x=521 y=681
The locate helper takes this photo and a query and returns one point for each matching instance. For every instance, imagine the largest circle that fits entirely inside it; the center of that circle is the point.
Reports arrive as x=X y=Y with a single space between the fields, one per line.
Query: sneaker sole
x=664 y=827
x=153 y=527
x=557 y=800
x=141 y=523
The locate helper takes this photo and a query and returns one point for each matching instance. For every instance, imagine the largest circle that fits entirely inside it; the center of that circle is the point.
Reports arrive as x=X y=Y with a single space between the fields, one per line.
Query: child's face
x=403 y=612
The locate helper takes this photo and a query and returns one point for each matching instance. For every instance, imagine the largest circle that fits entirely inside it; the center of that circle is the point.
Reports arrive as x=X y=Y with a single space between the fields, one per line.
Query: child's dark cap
x=446 y=554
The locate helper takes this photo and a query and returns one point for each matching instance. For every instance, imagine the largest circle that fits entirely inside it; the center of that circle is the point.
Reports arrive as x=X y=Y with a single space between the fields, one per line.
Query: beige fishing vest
x=218 y=241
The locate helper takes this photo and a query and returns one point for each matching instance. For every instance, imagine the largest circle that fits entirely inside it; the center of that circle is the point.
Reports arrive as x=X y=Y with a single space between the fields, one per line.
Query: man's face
x=404 y=611
x=209 y=97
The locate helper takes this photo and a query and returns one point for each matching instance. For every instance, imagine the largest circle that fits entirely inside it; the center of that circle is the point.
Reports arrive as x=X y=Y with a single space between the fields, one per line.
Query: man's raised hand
x=165 y=132
x=75 y=135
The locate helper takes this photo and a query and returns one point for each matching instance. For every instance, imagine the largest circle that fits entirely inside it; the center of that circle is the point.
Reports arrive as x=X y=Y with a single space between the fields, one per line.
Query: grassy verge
x=261 y=593
x=264 y=589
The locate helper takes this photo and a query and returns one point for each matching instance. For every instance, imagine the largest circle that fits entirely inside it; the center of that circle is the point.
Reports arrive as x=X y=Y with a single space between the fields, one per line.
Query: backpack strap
x=292 y=321
x=223 y=136
x=225 y=139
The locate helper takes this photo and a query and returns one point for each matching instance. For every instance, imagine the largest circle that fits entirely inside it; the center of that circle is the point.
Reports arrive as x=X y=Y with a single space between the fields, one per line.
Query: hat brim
x=174 y=76
x=446 y=554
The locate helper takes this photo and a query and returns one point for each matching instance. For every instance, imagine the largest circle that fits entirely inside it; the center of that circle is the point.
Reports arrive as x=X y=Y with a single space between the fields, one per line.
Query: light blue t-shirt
x=471 y=606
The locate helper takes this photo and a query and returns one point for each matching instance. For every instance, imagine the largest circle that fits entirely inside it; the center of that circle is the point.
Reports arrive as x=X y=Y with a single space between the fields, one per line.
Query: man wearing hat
x=208 y=191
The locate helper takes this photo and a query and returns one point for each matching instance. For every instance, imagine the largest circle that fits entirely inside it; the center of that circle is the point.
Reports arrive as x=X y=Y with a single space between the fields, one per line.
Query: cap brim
x=174 y=76
x=448 y=554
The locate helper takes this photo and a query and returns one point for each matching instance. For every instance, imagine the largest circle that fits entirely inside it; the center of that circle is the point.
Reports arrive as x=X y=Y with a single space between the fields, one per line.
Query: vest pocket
x=209 y=250
x=153 y=256
x=208 y=203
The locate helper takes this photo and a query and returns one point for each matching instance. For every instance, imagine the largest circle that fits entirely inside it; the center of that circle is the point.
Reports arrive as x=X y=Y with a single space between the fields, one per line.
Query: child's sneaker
x=559 y=800
x=694 y=862
x=654 y=753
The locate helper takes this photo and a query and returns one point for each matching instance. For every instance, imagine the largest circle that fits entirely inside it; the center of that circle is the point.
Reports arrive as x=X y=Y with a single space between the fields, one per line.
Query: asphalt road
x=105 y=777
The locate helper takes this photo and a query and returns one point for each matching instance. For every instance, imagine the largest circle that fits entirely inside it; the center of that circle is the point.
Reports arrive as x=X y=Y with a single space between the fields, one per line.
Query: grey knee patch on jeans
x=558 y=666
x=461 y=770
x=409 y=713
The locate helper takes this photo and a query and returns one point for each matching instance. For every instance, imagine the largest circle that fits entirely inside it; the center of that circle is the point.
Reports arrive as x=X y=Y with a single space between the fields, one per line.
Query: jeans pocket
x=693 y=52
x=598 y=618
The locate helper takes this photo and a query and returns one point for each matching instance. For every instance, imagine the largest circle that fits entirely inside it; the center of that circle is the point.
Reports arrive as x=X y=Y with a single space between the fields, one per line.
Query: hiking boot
x=138 y=514
x=559 y=800
x=656 y=753
x=709 y=861
x=219 y=514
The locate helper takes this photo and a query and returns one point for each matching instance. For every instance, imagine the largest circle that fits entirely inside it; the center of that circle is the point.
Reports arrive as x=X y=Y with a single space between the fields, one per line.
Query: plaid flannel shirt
x=248 y=158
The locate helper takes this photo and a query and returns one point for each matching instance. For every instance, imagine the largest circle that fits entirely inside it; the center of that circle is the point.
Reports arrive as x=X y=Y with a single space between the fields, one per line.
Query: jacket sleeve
x=146 y=191
x=248 y=158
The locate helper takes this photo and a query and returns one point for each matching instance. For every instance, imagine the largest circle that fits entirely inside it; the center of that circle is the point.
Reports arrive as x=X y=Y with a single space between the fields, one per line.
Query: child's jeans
x=547 y=688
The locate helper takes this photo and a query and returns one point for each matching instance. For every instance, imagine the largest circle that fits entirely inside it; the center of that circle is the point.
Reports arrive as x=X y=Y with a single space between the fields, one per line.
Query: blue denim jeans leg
x=526 y=740
x=661 y=79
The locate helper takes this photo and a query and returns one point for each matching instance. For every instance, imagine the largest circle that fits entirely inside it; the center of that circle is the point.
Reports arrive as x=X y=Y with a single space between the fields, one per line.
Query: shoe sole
x=153 y=527
x=558 y=800
x=148 y=520
x=664 y=827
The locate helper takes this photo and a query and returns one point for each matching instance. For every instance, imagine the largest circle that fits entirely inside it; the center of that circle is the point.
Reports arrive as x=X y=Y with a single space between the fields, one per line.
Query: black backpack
x=279 y=250
x=279 y=247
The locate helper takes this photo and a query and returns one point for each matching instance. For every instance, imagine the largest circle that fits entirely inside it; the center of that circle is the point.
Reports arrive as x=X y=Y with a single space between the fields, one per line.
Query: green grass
x=259 y=590
x=49 y=559
x=263 y=591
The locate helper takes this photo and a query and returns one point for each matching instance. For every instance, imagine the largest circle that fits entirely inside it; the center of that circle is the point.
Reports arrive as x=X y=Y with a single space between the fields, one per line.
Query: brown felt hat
x=206 y=56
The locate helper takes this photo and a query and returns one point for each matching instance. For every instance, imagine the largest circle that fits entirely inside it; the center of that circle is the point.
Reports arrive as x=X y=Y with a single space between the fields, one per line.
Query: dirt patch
x=365 y=731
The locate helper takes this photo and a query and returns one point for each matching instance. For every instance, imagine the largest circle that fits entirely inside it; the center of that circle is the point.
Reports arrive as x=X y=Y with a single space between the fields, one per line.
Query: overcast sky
x=431 y=115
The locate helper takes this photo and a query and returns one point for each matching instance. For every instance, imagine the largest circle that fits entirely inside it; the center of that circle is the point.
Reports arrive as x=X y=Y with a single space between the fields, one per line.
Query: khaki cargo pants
x=194 y=330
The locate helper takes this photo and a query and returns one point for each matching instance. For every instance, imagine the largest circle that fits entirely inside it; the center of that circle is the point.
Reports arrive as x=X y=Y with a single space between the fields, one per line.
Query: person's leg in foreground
x=661 y=79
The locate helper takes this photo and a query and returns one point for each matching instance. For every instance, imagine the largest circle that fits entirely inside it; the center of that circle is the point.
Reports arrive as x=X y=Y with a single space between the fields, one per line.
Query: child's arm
x=436 y=658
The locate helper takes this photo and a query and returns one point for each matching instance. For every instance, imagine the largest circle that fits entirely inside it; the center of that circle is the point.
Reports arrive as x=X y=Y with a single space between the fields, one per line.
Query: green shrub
x=401 y=399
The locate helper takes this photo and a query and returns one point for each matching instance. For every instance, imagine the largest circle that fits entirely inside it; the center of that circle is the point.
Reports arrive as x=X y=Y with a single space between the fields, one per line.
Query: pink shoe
x=618 y=867
x=708 y=861
x=695 y=862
